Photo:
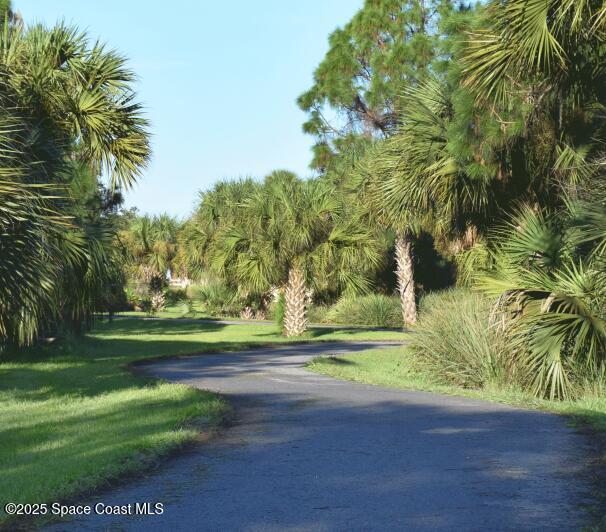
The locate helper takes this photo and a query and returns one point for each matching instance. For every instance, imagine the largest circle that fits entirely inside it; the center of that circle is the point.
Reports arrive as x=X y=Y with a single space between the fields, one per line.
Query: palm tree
x=544 y=56
x=162 y=239
x=537 y=47
x=547 y=57
x=217 y=209
x=440 y=175
x=30 y=258
x=550 y=287
x=412 y=183
x=61 y=101
x=152 y=245
x=299 y=235
x=81 y=98
x=31 y=232
x=364 y=184
x=88 y=282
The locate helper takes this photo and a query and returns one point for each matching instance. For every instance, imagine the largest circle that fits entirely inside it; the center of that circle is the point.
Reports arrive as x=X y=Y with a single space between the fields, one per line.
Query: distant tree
x=297 y=235
x=386 y=47
x=218 y=208
x=152 y=245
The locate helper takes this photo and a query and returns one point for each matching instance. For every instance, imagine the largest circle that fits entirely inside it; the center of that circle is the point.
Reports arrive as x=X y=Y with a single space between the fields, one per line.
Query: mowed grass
x=179 y=310
x=74 y=417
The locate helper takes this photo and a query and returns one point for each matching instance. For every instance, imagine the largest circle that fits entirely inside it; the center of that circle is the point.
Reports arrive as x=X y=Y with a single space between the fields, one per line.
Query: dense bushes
x=550 y=281
x=457 y=342
x=218 y=299
x=317 y=313
x=465 y=338
x=374 y=310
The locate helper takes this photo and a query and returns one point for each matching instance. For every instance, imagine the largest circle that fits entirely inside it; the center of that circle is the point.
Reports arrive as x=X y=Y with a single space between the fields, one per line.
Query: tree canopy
x=385 y=48
x=68 y=118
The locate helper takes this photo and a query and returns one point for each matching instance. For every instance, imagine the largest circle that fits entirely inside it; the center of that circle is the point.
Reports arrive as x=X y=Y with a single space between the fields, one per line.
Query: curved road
x=307 y=452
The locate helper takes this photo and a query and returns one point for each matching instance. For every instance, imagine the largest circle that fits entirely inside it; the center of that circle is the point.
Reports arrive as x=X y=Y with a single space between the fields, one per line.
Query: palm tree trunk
x=404 y=274
x=295 y=322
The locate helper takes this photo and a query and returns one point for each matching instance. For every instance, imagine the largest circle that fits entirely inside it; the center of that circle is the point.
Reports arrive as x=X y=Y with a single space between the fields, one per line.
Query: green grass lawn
x=179 y=310
x=73 y=417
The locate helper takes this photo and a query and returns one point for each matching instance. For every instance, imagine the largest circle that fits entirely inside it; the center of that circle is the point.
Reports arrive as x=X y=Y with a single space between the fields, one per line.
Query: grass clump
x=375 y=310
x=316 y=313
x=456 y=342
x=462 y=338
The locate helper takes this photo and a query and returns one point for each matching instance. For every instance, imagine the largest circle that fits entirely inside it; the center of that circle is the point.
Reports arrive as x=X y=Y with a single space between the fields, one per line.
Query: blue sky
x=219 y=80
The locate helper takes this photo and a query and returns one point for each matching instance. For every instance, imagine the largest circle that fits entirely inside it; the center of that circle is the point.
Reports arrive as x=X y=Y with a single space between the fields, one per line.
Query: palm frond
x=552 y=299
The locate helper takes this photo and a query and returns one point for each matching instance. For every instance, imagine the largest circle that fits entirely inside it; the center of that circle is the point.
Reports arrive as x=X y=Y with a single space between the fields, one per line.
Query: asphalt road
x=307 y=452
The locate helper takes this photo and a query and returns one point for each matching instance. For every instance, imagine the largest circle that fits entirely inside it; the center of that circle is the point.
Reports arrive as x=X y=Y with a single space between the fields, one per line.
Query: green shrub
x=456 y=341
x=175 y=296
x=194 y=291
x=317 y=313
x=381 y=311
x=374 y=310
x=219 y=299
x=132 y=298
x=145 y=305
x=343 y=312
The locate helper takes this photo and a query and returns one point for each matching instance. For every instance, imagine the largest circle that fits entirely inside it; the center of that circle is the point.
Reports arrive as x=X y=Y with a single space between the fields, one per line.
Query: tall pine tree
x=386 y=47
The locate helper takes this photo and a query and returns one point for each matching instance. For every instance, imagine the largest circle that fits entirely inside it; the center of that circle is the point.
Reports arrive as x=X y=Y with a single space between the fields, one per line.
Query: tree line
x=476 y=127
x=481 y=125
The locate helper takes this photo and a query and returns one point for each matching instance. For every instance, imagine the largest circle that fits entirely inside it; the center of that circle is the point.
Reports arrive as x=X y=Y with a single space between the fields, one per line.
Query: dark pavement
x=307 y=452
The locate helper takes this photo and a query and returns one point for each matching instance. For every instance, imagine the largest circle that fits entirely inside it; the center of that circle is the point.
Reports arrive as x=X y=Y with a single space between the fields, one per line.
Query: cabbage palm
x=466 y=152
x=413 y=182
x=300 y=235
x=217 y=209
x=30 y=231
x=61 y=100
x=152 y=244
x=557 y=45
x=553 y=294
x=30 y=258
x=548 y=56
x=81 y=98
x=366 y=183
x=164 y=231
x=91 y=280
